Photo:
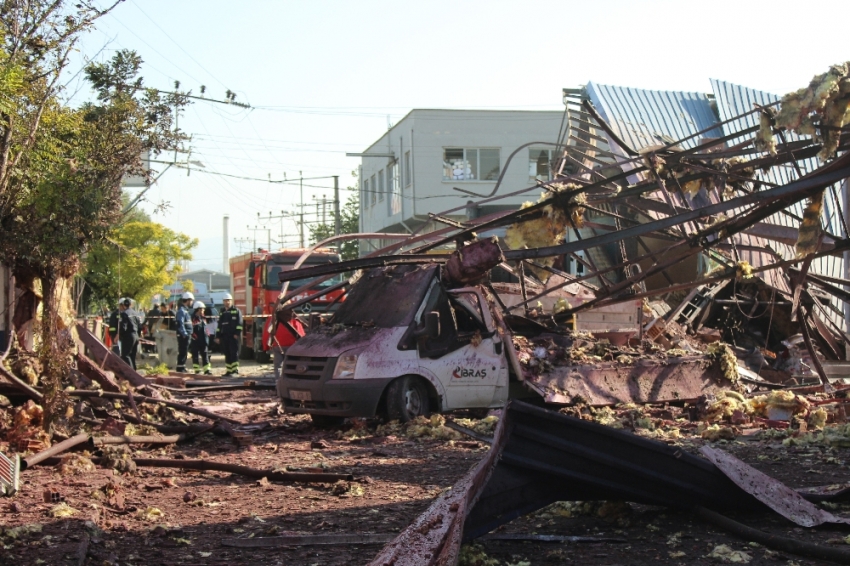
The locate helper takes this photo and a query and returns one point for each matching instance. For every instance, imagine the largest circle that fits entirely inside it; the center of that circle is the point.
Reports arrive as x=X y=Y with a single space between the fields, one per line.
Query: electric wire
x=180 y=47
x=154 y=49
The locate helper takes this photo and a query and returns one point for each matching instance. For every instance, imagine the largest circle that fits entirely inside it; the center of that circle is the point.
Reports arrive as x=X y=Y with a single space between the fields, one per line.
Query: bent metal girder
x=539 y=456
x=764 y=204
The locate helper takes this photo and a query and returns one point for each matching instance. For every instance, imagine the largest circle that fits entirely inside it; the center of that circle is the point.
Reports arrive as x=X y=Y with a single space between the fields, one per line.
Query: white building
x=415 y=168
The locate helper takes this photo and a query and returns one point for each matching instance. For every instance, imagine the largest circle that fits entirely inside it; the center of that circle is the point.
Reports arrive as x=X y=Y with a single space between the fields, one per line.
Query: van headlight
x=345 y=366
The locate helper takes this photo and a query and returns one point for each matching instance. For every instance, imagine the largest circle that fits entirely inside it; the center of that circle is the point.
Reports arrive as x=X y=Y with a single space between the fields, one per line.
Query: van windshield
x=273 y=281
x=386 y=296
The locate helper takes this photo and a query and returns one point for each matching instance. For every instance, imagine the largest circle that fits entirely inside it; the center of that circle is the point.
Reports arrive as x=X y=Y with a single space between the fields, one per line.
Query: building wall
x=425 y=134
x=214 y=280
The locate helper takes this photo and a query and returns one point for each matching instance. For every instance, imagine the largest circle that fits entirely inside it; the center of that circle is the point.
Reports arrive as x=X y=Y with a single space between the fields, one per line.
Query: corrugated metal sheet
x=643 y=118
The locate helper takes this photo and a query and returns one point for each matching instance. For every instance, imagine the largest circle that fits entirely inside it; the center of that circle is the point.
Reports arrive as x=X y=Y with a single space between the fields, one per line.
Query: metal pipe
x=54 y=450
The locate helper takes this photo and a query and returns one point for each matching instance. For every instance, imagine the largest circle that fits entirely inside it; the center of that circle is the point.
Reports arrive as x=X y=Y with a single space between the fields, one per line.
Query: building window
x=372 y=189
x=408 y=177
x=381 y=185
x=540 y=164
x=470 y=164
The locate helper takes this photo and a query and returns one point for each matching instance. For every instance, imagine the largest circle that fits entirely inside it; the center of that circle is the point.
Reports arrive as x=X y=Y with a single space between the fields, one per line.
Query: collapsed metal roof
x=644 y=118
x=651 y=183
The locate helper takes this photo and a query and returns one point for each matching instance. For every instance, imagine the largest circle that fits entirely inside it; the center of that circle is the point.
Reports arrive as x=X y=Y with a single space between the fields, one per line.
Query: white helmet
x=199 y=305
x=120 y=301
x=227 y=297
x=188 y=295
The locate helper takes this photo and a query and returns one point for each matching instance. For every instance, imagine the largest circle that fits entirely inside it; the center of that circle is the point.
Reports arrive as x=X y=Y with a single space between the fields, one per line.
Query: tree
x=350 y=224
x=137 y=260
x=61 y=168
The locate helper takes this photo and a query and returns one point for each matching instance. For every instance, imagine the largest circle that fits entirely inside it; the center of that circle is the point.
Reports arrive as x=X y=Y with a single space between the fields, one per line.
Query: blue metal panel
x=644 y=118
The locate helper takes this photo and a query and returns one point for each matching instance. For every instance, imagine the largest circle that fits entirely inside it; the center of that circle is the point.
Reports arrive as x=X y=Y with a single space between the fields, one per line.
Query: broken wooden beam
x=308 y=540
x=105 y=440
x=107 y=359
x=93 y=372
x=208 y=466
x=144 y=399
x=18 y=383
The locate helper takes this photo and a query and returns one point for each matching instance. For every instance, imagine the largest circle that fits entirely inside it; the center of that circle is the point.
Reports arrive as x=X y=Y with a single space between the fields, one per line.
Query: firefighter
x=228 y=333
x=198 y=345
x=183 y=321
x=129 y=324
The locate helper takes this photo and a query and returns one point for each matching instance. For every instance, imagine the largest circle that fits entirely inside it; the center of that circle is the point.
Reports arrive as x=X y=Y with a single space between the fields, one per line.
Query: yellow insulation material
x=810 y=229
x=824 y=102
x=548 y=229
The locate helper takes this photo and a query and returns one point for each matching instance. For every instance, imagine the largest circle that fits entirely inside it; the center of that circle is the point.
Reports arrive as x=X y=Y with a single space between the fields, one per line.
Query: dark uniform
x=198 y=345
x=112 y=329
x=128 y=335
x=183 y=322
x=167 y=319
x=228 y=332
x=152 y=321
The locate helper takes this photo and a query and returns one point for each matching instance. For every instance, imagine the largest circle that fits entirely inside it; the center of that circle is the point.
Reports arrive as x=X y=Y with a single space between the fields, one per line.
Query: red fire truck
x=256 y=289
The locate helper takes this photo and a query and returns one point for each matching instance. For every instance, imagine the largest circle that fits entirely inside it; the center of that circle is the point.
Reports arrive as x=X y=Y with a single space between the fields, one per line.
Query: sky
x=326 y=77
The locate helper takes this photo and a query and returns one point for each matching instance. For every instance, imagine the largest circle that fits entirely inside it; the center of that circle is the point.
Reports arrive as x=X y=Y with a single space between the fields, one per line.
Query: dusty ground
x=170 y=516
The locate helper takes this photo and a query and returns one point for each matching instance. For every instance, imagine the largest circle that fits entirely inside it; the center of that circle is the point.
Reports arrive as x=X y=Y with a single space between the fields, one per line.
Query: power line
x=169 y=59
x=139 y=8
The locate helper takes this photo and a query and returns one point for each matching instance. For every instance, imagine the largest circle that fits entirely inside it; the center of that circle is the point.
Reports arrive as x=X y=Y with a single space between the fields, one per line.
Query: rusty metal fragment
x=769 y=491
x=646 y=381
x=540 y=456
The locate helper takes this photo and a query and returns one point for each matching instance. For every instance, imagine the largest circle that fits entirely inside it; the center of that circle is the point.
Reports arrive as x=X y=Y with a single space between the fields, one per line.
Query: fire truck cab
x=256 y=288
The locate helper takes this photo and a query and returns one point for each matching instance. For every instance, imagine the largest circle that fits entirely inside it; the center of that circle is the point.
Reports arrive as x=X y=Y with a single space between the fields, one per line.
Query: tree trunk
x=56 y=348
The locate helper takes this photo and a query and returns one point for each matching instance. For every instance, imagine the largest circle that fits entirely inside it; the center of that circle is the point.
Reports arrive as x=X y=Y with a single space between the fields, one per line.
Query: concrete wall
x=425 y=134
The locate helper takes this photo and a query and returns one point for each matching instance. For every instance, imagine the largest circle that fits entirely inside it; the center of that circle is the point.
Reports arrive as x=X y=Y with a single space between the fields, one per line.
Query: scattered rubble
x=737 y=341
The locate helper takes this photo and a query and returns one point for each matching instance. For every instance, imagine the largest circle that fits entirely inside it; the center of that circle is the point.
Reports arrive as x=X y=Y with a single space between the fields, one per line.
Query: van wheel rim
x=413 y=402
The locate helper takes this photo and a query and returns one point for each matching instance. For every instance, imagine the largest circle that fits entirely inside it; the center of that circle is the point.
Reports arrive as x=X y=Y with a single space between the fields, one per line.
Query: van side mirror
x=251 y=268
x=432 y=324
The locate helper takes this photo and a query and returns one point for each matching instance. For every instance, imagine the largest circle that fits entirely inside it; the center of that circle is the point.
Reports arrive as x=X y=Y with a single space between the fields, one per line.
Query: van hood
x=332 y=342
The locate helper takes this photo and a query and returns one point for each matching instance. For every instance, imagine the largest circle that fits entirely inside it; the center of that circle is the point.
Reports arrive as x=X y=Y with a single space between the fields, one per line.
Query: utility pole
x=240 y=241
x=268 y=233
x=271 y=217
x=337 y=219
x=301 y=187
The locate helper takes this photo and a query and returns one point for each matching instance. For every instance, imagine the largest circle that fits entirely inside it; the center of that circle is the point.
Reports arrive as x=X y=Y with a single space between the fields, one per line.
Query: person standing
x=128 y=333
x=183 y=322
x=228 y=333
x=166 y=318
x=152 y=320
x=198 y=345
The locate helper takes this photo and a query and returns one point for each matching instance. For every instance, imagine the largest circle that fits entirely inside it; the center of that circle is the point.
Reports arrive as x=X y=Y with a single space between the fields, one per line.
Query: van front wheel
x=407 y=398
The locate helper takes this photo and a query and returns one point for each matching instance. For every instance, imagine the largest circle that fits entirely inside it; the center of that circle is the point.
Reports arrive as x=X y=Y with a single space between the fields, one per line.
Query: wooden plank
x=108 y=360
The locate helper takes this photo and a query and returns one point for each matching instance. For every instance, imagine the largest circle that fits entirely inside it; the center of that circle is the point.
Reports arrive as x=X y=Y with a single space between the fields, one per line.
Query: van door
x=466 y=355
